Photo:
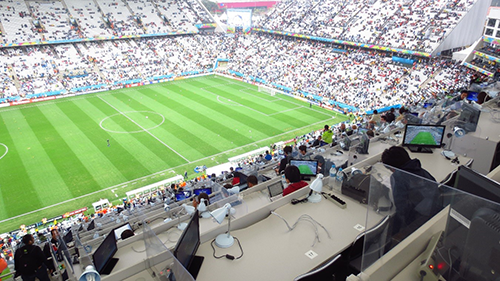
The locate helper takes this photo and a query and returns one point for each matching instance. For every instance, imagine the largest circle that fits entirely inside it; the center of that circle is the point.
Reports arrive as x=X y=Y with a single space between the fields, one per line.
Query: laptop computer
x=275 y=190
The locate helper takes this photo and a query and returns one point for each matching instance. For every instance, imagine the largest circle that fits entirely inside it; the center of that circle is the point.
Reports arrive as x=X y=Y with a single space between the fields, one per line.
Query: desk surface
x=271 y=252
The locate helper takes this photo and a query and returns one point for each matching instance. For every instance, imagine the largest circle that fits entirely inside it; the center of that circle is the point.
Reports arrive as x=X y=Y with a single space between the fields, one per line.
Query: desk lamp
x=234 y=190
x=224 y=240
x=202 y=208
x=190 y=211
x=90 y=274
x=316 y=186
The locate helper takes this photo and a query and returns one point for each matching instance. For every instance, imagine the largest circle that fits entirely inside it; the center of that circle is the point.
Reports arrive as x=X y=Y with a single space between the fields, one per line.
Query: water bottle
x=283 y=181
x=332 y=176
x=340 y=175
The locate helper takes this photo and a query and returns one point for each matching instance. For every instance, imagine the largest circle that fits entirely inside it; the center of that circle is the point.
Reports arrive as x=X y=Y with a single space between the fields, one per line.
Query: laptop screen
x=275 y=189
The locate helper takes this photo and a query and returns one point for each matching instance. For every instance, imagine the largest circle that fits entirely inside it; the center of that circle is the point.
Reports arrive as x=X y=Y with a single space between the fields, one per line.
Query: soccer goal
x=265 y=89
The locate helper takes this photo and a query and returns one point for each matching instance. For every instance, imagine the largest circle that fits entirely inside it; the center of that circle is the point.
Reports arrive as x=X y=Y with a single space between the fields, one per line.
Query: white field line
x=157 y=173
x=144 y=129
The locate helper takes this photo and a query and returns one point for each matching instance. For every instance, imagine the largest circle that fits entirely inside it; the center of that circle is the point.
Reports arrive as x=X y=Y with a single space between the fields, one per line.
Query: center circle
x=128 y=122
x=1 y=150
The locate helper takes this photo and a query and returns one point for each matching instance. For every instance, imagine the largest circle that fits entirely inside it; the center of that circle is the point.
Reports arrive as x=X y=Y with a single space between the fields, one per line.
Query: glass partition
x=160 y=262
x=461 y=230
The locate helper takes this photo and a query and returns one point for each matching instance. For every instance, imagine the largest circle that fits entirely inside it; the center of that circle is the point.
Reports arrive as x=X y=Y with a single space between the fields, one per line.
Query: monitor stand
x=419 y=149
x=109 y=266
x=195 y=266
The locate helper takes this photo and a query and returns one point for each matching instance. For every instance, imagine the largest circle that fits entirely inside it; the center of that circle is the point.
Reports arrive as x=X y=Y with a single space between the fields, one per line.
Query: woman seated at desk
x=292 y=176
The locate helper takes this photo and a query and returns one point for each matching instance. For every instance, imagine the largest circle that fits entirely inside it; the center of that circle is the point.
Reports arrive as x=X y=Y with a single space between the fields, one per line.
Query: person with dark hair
x=303 y=155
x=288 y=156
x=323 y=165
x=252 y=181
x=390 y=116
x=268 y=156
x=375 y=118
x=416 y=197
x=29 y=261
x=292 y=177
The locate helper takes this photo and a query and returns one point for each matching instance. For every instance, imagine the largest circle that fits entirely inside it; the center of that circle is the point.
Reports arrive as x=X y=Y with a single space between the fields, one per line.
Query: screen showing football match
x=306 y=167
x=423 y=135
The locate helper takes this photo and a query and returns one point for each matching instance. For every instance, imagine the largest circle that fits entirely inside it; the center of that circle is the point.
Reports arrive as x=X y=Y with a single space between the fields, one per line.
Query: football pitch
x=61 y=155
x=423 y=138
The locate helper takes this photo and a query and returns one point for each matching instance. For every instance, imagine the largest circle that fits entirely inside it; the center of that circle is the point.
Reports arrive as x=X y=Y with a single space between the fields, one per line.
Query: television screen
x=420 y=138
x=475 y=183
x=188 y=243
x=472 y=96
x=103 y=256
x=68 y=237
x=207 y=190
x=91 y=225
x=179 y=196
x=306 y=167
x=469 y=117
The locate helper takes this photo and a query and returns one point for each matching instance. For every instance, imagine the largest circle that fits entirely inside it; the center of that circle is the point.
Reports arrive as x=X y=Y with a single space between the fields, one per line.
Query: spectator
x=29 y=261
x=415 y=196
x=292 y=176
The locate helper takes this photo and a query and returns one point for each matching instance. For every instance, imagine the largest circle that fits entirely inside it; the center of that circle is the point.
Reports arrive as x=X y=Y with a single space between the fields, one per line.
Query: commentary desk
x=271 y=252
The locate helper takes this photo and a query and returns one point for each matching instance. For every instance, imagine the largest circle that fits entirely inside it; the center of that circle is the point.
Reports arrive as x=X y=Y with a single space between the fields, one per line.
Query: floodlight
x=316 y=186
x=224 y=240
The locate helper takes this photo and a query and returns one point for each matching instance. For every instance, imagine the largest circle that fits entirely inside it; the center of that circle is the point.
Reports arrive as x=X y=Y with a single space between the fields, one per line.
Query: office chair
x=324 y=272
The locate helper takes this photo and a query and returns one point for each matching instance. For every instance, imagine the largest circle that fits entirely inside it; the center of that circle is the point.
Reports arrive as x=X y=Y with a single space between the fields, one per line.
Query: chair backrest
x=325 y=271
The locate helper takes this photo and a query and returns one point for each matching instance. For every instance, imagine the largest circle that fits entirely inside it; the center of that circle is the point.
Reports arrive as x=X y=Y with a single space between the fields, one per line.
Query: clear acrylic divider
x=160 y=261
x=400 y=204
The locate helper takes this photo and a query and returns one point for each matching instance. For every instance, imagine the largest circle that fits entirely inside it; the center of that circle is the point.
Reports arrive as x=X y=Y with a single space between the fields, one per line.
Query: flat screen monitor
x=103 y=256
x=469 y=117
x=187 y=245
x=275 y=189
x=421 y=138
x=345 y=143
x=179 y=196
x=306 y=167
x=364 y=144
x=475 y=183
x=472 y=96
x=413 y=119
x=68 y=237
x=207 y=190
x=91 y=225
x=119 y=230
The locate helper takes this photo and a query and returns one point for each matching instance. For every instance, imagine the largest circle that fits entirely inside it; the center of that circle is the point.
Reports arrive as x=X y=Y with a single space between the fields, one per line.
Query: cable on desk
x=227 y=256
x=308 y=219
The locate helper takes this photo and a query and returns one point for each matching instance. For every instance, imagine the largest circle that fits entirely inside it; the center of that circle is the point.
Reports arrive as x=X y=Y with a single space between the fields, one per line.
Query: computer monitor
x=68 y=237
x=179 y=196
x=469 y=117
x=472 y=96
x=422 y=138
x=103 y=256
x=306 y=167
x=275 y=189
x=187 y=245
x=475 y=183
x=364 y=144
x=413 y=119
x=119 y=230
x=207 y=190
x=345 y=143
x=91 y=225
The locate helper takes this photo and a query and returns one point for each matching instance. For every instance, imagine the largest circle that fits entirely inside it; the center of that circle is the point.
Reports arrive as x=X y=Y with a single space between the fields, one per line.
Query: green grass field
x=423 y=138
x=56 y=158
x=305 y=169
